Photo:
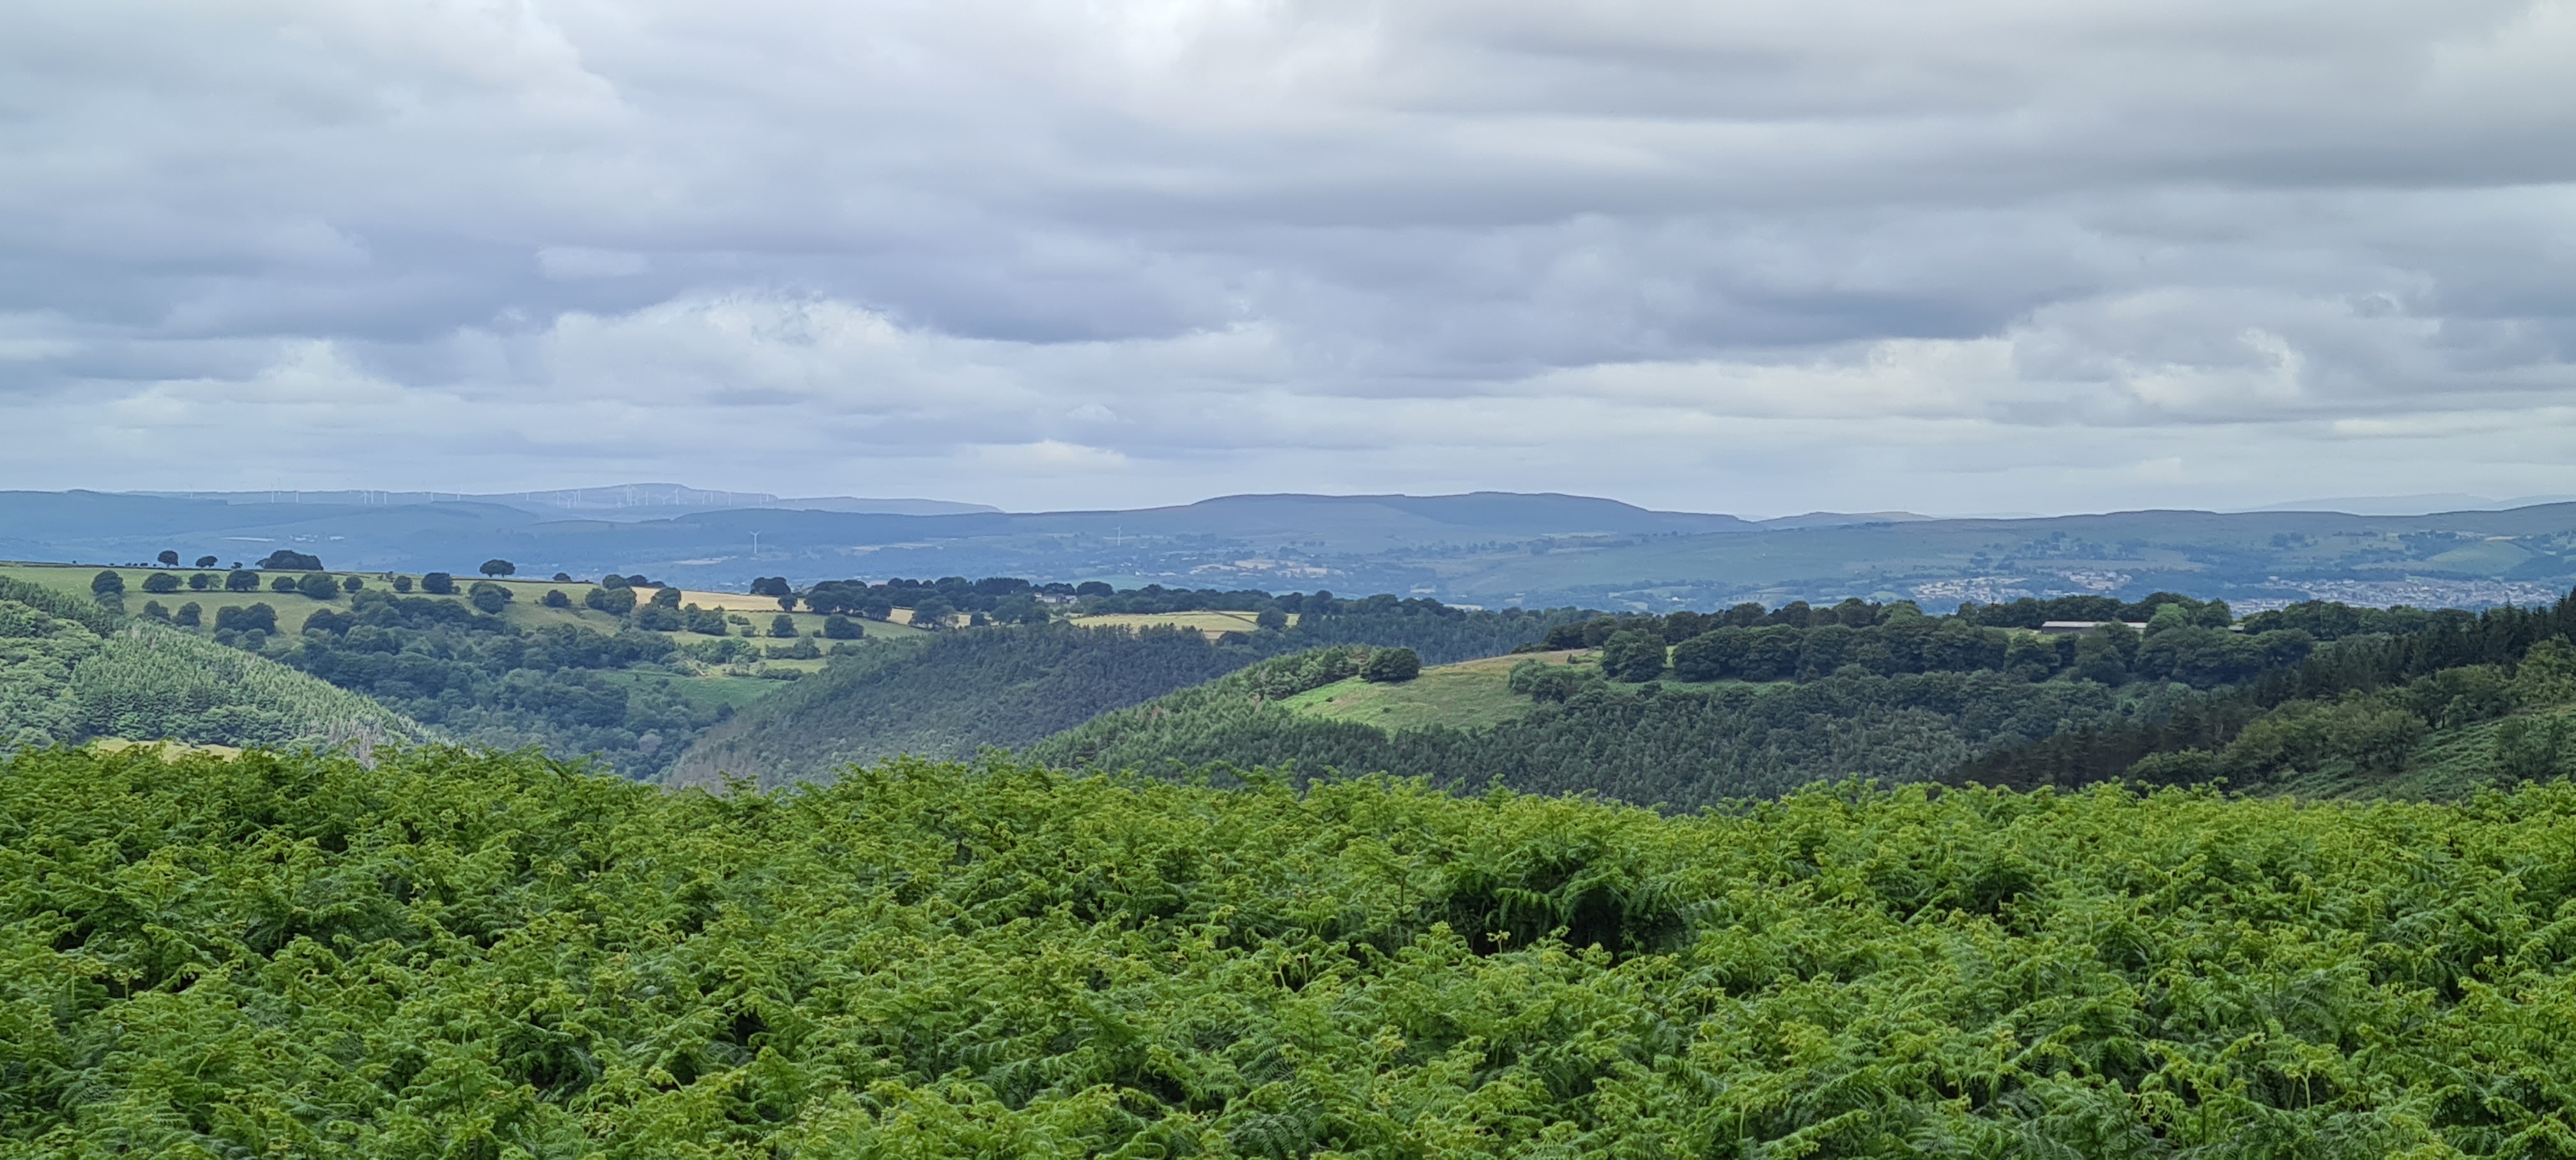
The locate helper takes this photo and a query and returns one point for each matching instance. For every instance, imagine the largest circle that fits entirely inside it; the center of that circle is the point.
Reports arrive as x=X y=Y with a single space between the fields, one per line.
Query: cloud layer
x=1761 y=257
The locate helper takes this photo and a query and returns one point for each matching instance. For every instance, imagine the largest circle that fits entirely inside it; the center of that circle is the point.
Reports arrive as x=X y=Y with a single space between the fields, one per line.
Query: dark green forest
x=471 y=955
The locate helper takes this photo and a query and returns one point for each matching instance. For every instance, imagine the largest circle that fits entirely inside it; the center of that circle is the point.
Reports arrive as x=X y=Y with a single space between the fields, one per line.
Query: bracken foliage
x=472 y=955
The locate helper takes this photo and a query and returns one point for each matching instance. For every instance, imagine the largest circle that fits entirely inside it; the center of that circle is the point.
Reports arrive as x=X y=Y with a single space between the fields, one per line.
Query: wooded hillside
x=71 y=670
x=1011 y=686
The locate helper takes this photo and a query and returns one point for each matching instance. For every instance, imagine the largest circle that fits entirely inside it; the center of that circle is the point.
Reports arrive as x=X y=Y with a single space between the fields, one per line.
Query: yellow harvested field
x=1214 y=624
x=729 y=601
x=165 y=749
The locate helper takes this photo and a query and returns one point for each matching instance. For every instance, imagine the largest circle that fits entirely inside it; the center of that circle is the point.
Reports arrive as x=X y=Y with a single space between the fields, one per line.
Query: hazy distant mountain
x=2408 y=505
x=1487 y=548
x=1840 y=519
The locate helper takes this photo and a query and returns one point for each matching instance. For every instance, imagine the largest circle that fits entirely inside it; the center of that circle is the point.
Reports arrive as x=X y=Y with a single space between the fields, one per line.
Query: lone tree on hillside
x=205 y=561
x=437 y=583
x=290 y=560
x=160 y=582
x=317 y=585
x=500 y=568
x=168 y=558
x=782 y=625
x=107 y=582
x=1392 y=666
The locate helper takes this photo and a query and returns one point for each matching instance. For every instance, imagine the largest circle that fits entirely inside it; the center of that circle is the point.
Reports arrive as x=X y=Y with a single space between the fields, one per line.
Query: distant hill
x=2317 y=701
x=1008 y=687
x=1485 y=548
x=1664 y=744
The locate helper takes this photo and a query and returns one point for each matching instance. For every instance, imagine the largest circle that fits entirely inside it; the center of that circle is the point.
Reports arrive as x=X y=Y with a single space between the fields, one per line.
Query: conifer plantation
x=470 y=954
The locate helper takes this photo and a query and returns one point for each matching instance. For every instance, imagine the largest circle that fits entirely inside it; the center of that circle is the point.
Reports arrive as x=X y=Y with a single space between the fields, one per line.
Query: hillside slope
x=2430 y=704
x=1011 y=686
x=1669 y=744
x=71 y=671
x=453 y=956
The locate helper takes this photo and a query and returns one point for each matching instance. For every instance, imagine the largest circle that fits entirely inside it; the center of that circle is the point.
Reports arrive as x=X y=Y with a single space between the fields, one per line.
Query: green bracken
x=458 y=954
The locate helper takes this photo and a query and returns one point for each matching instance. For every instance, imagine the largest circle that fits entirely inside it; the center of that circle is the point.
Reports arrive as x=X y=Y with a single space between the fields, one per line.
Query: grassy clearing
x=1214 y=624
x=712 y=691
x=1470 y=695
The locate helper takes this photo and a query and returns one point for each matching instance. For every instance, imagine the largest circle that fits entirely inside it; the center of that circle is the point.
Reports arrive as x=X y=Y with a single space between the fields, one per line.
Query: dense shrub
x=460 y=955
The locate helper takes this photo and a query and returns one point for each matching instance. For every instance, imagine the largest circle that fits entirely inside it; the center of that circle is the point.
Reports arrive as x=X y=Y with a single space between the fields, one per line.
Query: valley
x=778 y=834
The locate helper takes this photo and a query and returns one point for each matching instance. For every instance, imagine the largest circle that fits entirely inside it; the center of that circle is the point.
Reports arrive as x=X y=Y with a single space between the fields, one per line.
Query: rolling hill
x=71 y=672
x=1006 y=687
x=1490 y=548
x=2427 y=706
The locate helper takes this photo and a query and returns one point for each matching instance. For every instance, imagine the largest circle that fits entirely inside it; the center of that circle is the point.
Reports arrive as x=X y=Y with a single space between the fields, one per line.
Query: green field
x=1469 y=695
x=714 y=690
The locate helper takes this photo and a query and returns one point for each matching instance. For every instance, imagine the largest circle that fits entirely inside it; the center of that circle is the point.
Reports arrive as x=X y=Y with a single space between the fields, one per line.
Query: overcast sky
x=1758 y=256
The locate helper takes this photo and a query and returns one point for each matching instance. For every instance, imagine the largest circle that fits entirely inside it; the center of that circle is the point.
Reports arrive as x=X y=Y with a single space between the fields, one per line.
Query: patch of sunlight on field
x=1469 y=695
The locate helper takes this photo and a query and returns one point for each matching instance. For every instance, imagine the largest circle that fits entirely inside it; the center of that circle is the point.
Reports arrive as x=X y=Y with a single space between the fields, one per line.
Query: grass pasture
x=1468 y=695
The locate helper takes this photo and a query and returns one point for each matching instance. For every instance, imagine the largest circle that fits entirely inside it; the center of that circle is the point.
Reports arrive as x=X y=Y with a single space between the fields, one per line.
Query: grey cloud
x=1806 y=255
